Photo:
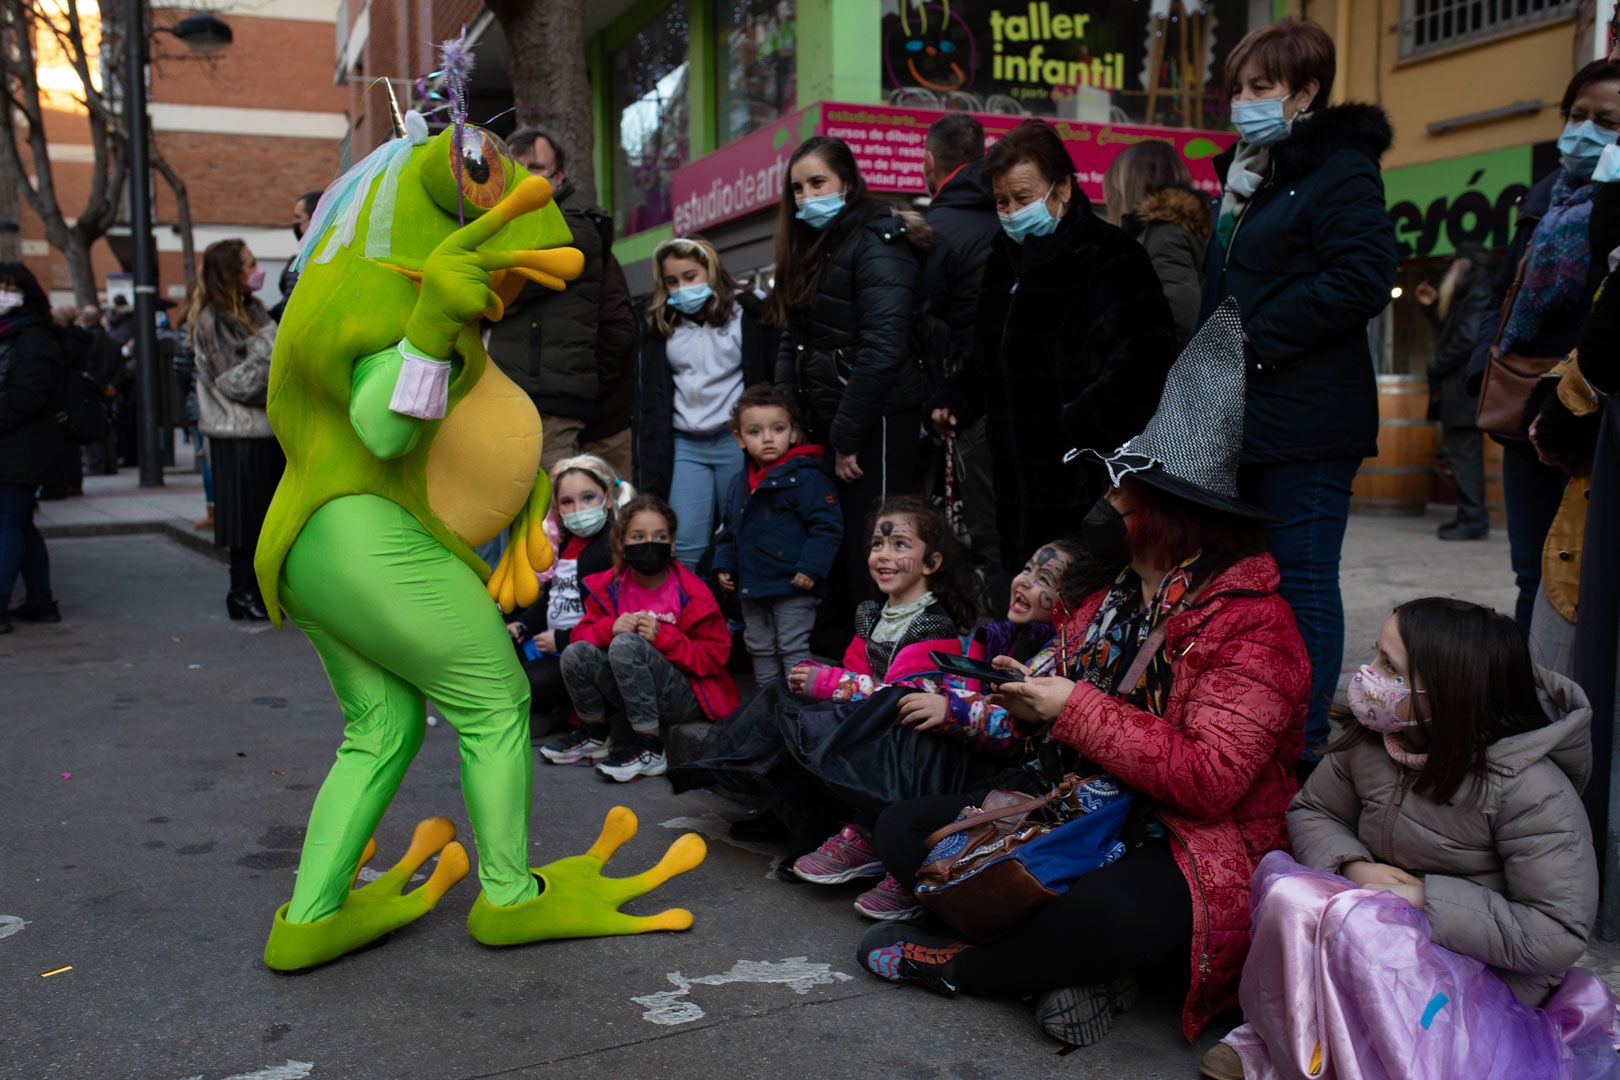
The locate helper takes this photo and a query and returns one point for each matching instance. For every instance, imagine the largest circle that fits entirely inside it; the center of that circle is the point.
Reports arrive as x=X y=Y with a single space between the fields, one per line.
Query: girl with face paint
x=651 y=648
x=1448 y=726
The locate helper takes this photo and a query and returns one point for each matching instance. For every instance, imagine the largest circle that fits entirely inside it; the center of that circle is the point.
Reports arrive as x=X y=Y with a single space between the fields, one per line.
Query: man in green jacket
x=547 y=343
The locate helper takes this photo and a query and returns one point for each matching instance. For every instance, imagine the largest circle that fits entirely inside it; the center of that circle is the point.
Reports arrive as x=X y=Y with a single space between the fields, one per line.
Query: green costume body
x=368 y=543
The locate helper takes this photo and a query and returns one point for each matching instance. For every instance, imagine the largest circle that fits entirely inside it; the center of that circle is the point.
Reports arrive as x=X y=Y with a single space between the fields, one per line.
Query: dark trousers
x=1130 y=915
x=1464 y=448
x=22 y=548
x=1597 y=648
x=888 y=461
x=1532 y=492
x=1312 y=499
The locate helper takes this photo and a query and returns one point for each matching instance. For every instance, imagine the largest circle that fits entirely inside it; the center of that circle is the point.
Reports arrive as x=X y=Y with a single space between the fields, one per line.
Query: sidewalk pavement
x=114 y=505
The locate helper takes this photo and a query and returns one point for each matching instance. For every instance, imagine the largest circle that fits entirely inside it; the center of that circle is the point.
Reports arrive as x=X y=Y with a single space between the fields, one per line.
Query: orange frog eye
x=480 y=165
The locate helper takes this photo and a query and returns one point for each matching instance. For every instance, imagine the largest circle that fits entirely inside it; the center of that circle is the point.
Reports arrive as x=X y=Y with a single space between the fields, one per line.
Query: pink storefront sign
x=748 y=175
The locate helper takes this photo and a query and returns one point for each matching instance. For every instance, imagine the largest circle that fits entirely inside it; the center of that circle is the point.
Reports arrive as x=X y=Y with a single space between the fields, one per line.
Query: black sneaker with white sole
x=578 y=745
x=1081 y=1015
x=642 y=755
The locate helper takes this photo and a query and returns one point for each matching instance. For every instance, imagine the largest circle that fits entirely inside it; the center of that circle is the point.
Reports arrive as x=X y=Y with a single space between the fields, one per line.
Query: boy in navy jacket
x=780 y=532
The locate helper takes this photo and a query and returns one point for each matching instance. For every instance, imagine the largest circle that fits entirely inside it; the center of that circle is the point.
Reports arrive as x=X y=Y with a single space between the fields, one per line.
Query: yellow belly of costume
x=484 y=459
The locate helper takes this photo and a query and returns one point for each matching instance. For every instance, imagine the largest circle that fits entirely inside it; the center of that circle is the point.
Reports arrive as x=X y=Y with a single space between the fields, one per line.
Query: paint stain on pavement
x=672 y=1007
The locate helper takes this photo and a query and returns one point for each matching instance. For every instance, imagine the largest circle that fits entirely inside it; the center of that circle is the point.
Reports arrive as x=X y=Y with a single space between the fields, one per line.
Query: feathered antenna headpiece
x=457 y=60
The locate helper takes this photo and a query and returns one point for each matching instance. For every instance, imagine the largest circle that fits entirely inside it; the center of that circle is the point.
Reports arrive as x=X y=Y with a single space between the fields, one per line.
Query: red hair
x=1167 y=530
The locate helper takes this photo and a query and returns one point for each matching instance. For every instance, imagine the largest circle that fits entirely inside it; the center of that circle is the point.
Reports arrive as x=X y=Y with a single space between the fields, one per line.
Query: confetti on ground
x=277 y=772
x=240 y=753
x=67 y=776
x=55 y=971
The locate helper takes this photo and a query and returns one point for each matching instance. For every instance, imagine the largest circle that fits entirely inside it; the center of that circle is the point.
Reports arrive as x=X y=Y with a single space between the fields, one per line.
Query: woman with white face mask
x=1303 y=242
x=31 y=440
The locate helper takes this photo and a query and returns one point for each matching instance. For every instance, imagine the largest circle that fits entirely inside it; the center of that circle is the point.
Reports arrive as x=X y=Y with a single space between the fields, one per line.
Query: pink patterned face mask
x=1374 y=699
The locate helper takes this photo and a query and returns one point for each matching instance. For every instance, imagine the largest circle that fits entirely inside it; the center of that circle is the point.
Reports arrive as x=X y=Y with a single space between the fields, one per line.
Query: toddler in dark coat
x=780 y=533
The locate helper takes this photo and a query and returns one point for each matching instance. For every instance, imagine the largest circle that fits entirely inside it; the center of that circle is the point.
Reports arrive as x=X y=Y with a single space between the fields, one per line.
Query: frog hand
x=375 y=909
x=459 y=279
x=578 y=901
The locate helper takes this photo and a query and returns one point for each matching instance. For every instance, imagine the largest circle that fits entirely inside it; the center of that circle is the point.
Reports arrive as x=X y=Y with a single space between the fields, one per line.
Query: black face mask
x=298 y=231
x=649 y=558
x=1106 y=535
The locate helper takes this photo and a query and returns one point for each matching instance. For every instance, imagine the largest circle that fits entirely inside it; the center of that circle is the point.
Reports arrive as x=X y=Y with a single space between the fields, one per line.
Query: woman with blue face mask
x=1562 y=272
x=703 y=346
x=848 y=302
x=1072 y=340
x=1304 y=243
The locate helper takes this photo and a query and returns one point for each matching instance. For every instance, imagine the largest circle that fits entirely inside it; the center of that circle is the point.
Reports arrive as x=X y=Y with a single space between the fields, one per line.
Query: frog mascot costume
x=405 y=449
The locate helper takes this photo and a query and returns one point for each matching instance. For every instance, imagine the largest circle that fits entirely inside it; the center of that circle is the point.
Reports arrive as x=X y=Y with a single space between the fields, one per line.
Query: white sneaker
x=643 y=757
x=577 y=745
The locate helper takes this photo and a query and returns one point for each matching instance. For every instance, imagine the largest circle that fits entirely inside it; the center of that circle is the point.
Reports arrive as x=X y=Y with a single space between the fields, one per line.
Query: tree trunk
x=545 y=50
x=182 y=203
x=10 y=208
x=81 y=270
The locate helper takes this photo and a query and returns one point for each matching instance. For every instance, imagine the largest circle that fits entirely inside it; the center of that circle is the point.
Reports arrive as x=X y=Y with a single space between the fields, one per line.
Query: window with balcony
x=1431 y=26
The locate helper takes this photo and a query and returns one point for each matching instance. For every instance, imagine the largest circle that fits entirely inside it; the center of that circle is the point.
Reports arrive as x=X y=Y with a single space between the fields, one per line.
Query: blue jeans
x=705 y=467
x=1313 y=500
x=1532 y=492
x=22 y=548
x=199 y=442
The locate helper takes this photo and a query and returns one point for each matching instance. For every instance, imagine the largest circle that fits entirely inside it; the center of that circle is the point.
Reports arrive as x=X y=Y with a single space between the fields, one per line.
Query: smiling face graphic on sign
x=929 y=46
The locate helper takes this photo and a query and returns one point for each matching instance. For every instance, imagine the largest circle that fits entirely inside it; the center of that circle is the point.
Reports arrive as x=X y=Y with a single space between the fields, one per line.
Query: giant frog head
x=361 y=267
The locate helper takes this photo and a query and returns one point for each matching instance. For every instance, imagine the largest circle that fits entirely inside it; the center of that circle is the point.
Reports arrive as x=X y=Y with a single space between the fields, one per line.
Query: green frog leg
x=578 y=900
x=397 y=618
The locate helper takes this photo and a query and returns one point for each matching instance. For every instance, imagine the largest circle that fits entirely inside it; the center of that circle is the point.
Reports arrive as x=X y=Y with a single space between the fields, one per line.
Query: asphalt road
x=157 y=767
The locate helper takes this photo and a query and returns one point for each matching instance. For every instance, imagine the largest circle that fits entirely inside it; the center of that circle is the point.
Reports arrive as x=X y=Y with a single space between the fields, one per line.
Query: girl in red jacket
x=652 y=645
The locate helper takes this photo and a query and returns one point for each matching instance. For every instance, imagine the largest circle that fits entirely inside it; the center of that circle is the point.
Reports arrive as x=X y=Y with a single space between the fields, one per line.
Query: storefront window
x=1101 y=61
x=757 y=83
x=649 y=107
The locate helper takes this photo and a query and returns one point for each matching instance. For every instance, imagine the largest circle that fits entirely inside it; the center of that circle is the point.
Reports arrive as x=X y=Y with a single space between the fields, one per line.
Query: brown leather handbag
x=1508 y=381
x=995 y=866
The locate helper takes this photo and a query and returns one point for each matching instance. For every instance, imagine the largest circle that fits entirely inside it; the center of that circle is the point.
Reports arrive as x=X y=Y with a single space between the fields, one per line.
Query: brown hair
x=763 y=396
x=1596 y=71
x=1034 y=141
x=717 y=312
x=1290 y=51
x=802 y=252
x=220 y=284
x=1479 y=685
x=621 y=520
x=952 y=584
x=1138 y=171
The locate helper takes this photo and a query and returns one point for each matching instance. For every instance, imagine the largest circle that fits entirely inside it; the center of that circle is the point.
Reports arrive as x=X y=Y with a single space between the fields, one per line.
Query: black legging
x=242 y=576
x=546 y=689
x=1114 y=921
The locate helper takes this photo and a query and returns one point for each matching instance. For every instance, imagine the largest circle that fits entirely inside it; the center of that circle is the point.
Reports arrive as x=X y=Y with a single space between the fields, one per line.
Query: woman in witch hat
x=1187 y=684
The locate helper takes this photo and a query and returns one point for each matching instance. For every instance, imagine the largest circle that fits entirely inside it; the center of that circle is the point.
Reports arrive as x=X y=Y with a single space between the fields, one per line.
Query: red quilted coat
x=1219 y=763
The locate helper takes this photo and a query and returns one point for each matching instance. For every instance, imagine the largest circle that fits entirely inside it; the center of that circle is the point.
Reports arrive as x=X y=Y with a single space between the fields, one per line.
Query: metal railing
x=1431 y=26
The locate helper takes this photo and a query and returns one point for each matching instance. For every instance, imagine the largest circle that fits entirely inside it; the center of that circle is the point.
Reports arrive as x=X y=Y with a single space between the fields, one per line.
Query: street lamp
x=206 y=33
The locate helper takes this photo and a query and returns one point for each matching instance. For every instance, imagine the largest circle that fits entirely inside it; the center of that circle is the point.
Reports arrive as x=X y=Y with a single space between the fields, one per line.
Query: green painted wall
x=839 y=51
x=1471 y=198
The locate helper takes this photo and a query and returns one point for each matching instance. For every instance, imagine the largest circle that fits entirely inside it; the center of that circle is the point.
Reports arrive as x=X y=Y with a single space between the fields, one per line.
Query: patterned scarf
x=1243 y=178
x=1120 y=626
x=1559 y=258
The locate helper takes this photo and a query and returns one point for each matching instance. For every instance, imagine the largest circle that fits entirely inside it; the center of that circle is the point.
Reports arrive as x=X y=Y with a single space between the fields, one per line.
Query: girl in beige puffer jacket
x=1455 y=784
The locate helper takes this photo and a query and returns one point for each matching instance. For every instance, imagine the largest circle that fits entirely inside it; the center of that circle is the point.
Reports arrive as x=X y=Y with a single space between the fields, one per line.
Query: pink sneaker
x=888 y=901
x=839 y=859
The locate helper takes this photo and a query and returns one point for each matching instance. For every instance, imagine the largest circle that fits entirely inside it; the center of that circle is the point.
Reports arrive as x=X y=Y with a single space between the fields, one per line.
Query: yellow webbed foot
x=578 y=901
x=376 y=908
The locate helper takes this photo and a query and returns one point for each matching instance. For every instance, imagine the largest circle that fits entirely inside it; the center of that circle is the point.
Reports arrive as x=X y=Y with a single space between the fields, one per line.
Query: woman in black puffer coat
x=31 y=439
x=1073 y=342
x=846 y=296
x=1304 y=243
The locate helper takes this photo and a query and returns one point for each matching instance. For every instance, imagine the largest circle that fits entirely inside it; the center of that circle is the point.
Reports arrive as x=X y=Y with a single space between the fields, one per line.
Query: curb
x=180 y=532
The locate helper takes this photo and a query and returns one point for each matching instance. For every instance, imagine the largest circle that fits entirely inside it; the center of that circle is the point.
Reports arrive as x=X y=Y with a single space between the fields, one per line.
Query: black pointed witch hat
x=1192 y=445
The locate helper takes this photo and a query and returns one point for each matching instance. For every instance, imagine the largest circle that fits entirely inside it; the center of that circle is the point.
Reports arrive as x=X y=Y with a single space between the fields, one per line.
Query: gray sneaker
x=1080 y=1015
x=642 y=757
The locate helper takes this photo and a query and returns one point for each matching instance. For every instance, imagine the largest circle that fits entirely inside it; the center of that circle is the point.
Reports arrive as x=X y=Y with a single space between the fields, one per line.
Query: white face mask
x=10 y=300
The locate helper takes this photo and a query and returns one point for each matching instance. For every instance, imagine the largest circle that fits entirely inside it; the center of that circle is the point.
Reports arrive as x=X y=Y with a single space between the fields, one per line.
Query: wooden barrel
x=1397 y=480
x=1495 y=501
